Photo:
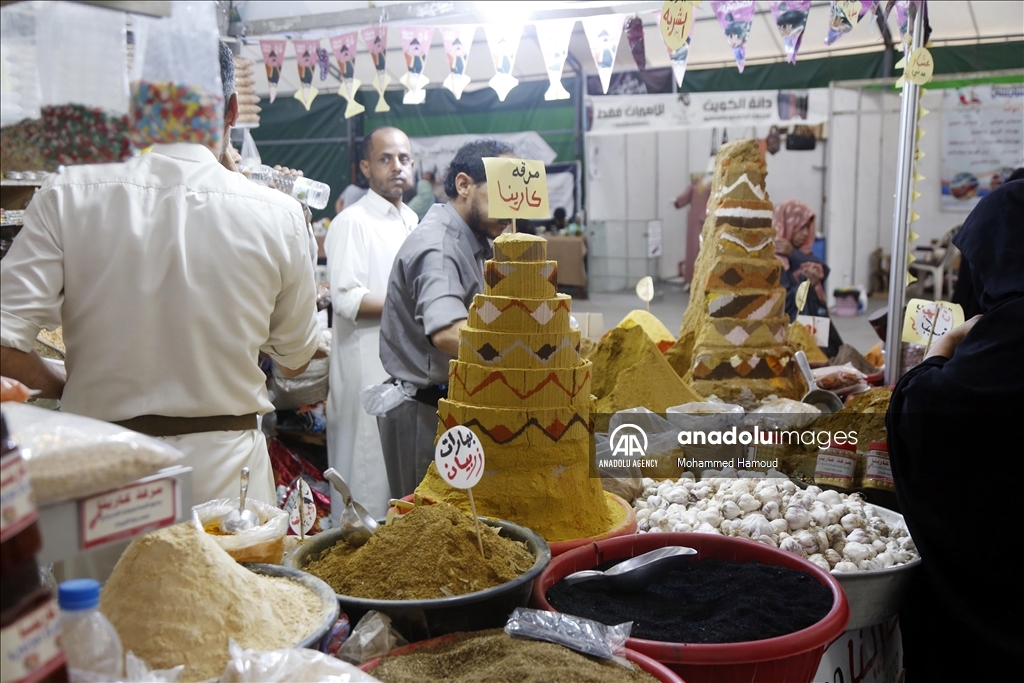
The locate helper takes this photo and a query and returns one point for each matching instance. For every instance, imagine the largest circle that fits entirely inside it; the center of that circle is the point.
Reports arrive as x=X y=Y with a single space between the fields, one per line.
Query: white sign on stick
x=459 y=457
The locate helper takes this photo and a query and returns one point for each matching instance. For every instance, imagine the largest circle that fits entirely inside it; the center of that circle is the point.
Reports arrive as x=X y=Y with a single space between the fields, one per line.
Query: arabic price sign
x=926 y=321
x=516 y=188
x=301 y=509
x=128 y=511
x=645 y=289
x=818 y=326
x=676 y=22
x=801 y=295
x=919 y=66
x=459 y=457
x=850 y=10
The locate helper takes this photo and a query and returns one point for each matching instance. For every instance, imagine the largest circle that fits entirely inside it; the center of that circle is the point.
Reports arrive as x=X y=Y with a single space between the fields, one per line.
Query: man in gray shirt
x=438 y=271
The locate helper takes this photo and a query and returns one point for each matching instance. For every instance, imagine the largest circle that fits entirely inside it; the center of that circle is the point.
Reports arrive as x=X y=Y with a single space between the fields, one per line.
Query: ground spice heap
x=706 y=601
x=494 y=657
x=176 y=597
x=431 y=552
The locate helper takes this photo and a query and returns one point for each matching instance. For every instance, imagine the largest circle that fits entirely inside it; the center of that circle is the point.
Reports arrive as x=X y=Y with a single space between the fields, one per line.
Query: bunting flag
x=735 y=19
x=603 y=34
x=676 y=24
x=906 y=13
x=845 y=14
x=305 y=58
x=458 y=40
x=273 y=60
x=791 y=18
x=323 y=58
x=345 y=47
x=635 y=38
x=553 y=37
x=679 y=58
x=376 y=39
x=416 y=42
x=503 y=42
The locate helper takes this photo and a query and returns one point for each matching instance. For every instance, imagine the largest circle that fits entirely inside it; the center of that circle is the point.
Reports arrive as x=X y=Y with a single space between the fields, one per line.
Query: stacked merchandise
x=245 y=87
x=733 y=341
x=520 y=385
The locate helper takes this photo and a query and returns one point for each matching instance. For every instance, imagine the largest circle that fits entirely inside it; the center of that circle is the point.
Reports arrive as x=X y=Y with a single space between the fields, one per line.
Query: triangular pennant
x=679 y=58
x=917 y=176
x=735 y=18
x=914 y=216
x=553 y=38
x=906 y=12
x=345 y=47
x=914 y=195
x=458 y=40
x=922 y=112
x=416 y=42
x=306 y=60
x=844 y=15
x=791 y=18
x=913 y=237
x=910 y=258
x=635 y=38
x=900 y=64
x=675 y=22
x=899 y=83
x=919 y=133
x=376 y=39
x=603 y=34
x=273 y=60
x=503 y=42
x=918 y=154
x=911 y=279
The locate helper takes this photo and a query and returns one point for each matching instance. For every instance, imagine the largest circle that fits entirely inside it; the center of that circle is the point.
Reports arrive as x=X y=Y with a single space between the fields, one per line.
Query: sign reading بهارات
x=516 y=188
x=459 y=457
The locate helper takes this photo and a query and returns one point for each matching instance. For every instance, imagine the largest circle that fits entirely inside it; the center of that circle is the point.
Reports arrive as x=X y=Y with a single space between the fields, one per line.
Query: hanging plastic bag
x=84 y=87
x=250 y=155
x=21 y=125
x=177 y=94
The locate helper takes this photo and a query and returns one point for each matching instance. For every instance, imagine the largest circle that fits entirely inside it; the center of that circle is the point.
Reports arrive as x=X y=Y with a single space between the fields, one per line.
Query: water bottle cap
x=79 y=594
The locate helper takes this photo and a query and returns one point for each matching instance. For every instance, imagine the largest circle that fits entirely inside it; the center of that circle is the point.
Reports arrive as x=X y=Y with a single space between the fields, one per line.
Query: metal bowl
x=328 y=604
x=422 y=619
x=877 y=596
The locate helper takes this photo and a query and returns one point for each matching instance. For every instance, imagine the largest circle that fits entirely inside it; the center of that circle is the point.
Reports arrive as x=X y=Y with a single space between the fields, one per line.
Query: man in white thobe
x=361 y=245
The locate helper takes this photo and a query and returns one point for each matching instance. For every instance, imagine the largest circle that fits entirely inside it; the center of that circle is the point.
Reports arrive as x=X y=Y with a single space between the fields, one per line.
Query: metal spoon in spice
x=637 y=573
x=357 y=524
x=237 y=521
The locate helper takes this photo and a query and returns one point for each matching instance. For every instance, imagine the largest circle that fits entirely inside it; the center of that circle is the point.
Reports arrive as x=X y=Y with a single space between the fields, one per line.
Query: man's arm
x=447 y=340
x=371 y=306
x=32 y=371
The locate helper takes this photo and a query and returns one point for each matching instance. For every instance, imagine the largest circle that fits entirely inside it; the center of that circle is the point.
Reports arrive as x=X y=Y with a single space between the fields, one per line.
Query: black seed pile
x=705 y=601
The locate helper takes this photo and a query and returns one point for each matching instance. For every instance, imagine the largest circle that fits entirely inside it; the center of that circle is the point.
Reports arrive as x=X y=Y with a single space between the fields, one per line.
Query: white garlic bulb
x=657 y=516
x=682 y=528
x=730 y=510
x=706 y=528
x=819 y=559
x=655 y=501
x=755 y=525
x=852 y=521
x=798 y=517
x=832 y=557
x=845 y=567
x=780 y=525
x=791 y=545
x=819 y=514
x=748 y=503
x=771 y=510
x=855 y=552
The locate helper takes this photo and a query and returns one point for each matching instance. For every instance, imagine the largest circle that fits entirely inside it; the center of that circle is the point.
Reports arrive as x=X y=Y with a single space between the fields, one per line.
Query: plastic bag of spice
x=84 y=87
x=264 y=543
x=176 y=90
x=284 y=666
x=20 y=122
x=373 y=636
x=582 y=635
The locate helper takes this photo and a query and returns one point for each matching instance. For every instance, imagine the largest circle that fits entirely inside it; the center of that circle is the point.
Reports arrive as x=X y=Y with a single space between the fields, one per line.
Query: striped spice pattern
x=484 y=386
x=529 y=316
x=575 y=427
x=749 y=306
x=523 y=279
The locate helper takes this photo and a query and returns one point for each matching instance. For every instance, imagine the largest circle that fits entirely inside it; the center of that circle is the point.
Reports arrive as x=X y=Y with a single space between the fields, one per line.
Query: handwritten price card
x=676 y=22
x=926 y=321
x=126 y=512
x=459 y=457
x=919 y=66
x=516 y=188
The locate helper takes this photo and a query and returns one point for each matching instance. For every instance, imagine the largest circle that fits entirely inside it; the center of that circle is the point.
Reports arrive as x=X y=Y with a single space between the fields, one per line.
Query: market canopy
x=953 y=24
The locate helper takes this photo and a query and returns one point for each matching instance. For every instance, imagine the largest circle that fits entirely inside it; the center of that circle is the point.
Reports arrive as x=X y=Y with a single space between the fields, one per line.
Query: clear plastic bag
x=379 y=399
x=135 y=670
x=373 y=636
x=837 y=377
x=582 y=635
x=69 y=456
x=264 y=543
x=250 y=154
x=285 y=666
x=177 y=94
x=306 y=389
x=84 y=87
x=20 y=120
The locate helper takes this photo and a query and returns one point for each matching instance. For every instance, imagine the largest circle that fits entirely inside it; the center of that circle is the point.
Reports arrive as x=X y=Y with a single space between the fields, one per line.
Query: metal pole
x=901 y=214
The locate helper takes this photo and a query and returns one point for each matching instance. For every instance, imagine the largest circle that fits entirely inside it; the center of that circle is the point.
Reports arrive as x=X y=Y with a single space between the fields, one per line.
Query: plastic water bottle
x=90 y=640
x=312 y=193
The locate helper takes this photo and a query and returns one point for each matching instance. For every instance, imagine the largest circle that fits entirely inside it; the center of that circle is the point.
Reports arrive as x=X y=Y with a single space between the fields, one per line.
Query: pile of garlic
x=837 y=532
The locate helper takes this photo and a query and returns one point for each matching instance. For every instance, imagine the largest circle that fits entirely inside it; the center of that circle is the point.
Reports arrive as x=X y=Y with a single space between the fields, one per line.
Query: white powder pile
x=175 y=597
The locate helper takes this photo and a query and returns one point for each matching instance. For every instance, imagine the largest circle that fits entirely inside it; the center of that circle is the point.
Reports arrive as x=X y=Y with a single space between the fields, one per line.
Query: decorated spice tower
x=733 y=342
x=519 y=383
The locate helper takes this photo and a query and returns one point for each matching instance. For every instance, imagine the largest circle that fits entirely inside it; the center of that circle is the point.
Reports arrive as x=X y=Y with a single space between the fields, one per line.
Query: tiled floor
x=670 y=302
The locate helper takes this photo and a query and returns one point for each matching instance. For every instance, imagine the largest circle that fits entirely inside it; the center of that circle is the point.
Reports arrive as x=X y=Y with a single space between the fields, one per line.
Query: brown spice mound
x=494 y=657
x=429 y=553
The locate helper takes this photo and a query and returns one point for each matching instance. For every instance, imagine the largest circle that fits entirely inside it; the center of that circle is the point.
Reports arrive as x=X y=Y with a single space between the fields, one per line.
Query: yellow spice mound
x=800 y=338
x=650 y=324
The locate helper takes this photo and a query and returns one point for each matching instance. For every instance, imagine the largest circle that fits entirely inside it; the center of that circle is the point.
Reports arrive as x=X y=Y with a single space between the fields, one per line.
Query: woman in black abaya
x=955 y=445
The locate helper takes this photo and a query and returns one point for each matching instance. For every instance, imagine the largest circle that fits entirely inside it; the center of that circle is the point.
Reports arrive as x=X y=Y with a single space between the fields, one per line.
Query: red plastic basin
x=656 y=669
x=792 y=658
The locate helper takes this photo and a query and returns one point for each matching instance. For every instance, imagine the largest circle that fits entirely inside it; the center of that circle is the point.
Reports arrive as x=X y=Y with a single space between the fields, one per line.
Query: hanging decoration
x=603 y=34
x=676 y=23
x=735 y=19
x=458 y=40
x=635 y=38
x=273 y=59
x=791 y=19
x=503 y=42
x=906 y=13
x=416 y=42
x=305 y=58
x=323 y=58
x=345 y=47
x=376 y=39
x=553 y=38
x=846 y=14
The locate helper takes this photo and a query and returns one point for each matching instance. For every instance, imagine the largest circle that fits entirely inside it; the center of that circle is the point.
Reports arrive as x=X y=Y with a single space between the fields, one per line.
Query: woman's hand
x=813 y=272
x=783 y=246
x=947 y=343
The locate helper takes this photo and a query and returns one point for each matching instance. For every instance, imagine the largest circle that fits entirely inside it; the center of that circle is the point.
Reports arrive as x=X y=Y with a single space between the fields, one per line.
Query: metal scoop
x=356 y=524
x=237 y=521
x=825 y=401
x=637 y=573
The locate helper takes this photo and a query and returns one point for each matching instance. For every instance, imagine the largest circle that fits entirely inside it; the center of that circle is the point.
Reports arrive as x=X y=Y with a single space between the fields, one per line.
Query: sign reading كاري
x=128 y=511
x=516 y=188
